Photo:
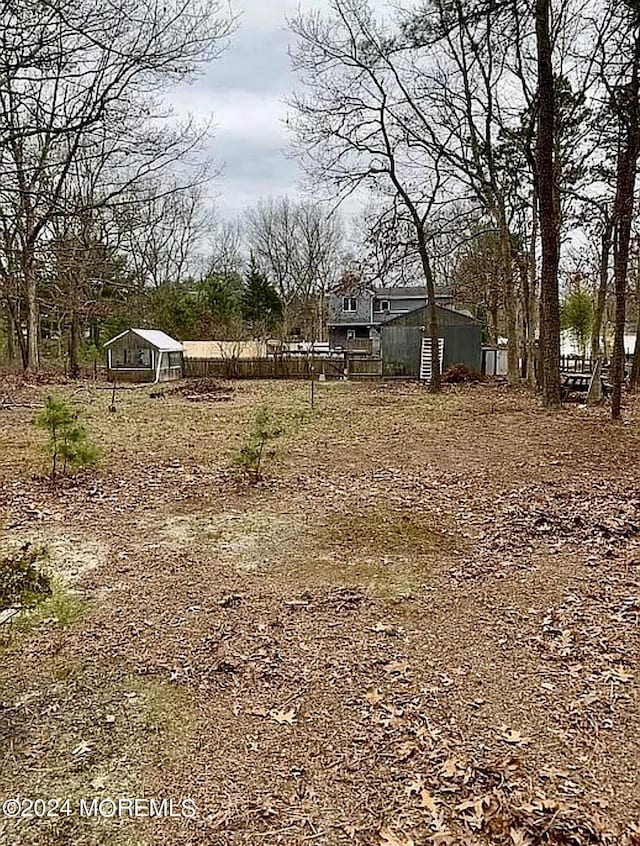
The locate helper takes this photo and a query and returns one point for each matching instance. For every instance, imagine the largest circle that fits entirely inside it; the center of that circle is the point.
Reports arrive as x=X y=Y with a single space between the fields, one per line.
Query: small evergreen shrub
x=252 y=453
x=68 y=445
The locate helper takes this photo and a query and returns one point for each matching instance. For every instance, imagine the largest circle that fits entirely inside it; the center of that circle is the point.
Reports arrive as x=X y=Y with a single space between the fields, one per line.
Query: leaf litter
x=485 y=693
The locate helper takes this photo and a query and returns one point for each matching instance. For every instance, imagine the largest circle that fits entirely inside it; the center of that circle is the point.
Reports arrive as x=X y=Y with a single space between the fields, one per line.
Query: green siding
x=402 y=341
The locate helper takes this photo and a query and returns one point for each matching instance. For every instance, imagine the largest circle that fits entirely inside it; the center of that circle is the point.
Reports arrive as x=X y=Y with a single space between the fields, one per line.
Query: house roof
x=160 y=340
x=393 y=292
x=405 y=292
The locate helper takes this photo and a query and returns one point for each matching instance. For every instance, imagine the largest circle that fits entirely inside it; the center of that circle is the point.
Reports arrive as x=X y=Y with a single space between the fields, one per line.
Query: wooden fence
x=362 y=345
x=294 y=367
x=583 y=364
x=365 y=368
x=576 y=364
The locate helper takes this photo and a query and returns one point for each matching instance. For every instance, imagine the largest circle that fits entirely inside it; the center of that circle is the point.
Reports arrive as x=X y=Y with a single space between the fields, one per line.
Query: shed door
x=425 y=358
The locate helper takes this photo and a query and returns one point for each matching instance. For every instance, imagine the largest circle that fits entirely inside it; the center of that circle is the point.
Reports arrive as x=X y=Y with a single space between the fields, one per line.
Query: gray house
x=144 y=355
x=406 y=346
x=357 y=313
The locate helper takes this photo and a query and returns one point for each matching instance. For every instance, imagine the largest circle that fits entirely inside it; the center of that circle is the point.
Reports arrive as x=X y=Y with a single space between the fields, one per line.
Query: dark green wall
x=402 y=341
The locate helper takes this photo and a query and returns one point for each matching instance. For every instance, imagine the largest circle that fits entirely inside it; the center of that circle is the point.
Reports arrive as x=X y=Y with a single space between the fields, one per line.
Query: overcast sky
x=244 y=92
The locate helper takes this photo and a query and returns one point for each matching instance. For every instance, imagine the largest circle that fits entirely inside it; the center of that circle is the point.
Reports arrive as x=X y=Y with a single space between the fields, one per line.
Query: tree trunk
x=528 y=321
x=621 y=251
x=528 y=272
x=506 y=260
x=548 y=212
x=95 y=333
x=623 y=218
x=11 y=338
x=31 y=302
x=513 y=368
x=74 y=346
x=493 y=313
x=603 y=284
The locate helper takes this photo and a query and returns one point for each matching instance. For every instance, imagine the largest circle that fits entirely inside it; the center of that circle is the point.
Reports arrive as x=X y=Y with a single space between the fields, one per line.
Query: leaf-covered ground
x=420 y=628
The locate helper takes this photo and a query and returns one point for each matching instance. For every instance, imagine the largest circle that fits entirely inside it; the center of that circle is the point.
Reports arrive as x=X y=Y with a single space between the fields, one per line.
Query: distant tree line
x=174 y=267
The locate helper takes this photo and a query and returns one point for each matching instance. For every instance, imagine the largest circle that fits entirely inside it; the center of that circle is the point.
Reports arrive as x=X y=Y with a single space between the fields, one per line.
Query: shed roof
x=160 y=340
x=466 y=318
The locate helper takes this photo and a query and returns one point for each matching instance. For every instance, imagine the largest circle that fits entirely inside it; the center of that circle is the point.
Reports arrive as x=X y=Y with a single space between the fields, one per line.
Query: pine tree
x=67 y=438
x=261 y=305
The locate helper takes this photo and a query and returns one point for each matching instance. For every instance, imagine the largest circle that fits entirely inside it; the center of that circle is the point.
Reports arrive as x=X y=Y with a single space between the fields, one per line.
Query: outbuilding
x=144 y=355
x=405 y=344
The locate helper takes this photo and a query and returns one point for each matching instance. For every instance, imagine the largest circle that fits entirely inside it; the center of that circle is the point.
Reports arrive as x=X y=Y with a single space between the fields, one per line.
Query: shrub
x=68 y=443
x=22 y=581
x=459 y=373
x=251 y=454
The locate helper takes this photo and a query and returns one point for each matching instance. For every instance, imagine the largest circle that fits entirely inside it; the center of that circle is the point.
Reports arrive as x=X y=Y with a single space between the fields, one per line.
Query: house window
x=381 y=305
x=175 y=359
x=349 y=304
x=351 y=334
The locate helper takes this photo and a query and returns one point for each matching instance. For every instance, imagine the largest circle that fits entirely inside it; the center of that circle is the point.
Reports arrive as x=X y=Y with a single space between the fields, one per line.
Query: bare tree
x=163 y=228
x=622 y=79
x=82 y=81
x=297 y=246
x=224 y=246
x=354 y=124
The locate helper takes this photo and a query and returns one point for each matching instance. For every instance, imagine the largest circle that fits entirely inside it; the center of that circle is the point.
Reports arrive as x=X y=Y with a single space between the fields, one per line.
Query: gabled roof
x=402 y=315
x=349 y=287
x=160 y=340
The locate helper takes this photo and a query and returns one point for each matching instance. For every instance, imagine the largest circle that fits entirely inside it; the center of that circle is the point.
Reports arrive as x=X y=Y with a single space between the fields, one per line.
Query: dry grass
x=424 y=590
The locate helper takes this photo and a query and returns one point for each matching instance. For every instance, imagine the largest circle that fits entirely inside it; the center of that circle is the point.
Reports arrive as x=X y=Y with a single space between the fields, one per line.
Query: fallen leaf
x=406 y=750
x=382 y=628
x=388 y=837
x=400 y=667
x=373 y=696
x=519 y=837
x=449 y=768
x=566 y=639
x=283 y=717
x=415 y=786
x=514 y=736
x=618 y=674
x=428 y=802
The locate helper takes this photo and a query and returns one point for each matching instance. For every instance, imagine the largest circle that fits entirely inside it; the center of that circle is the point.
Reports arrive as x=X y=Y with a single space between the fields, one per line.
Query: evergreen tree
x=221 y=296
x=261 y=305
x=177 y=310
